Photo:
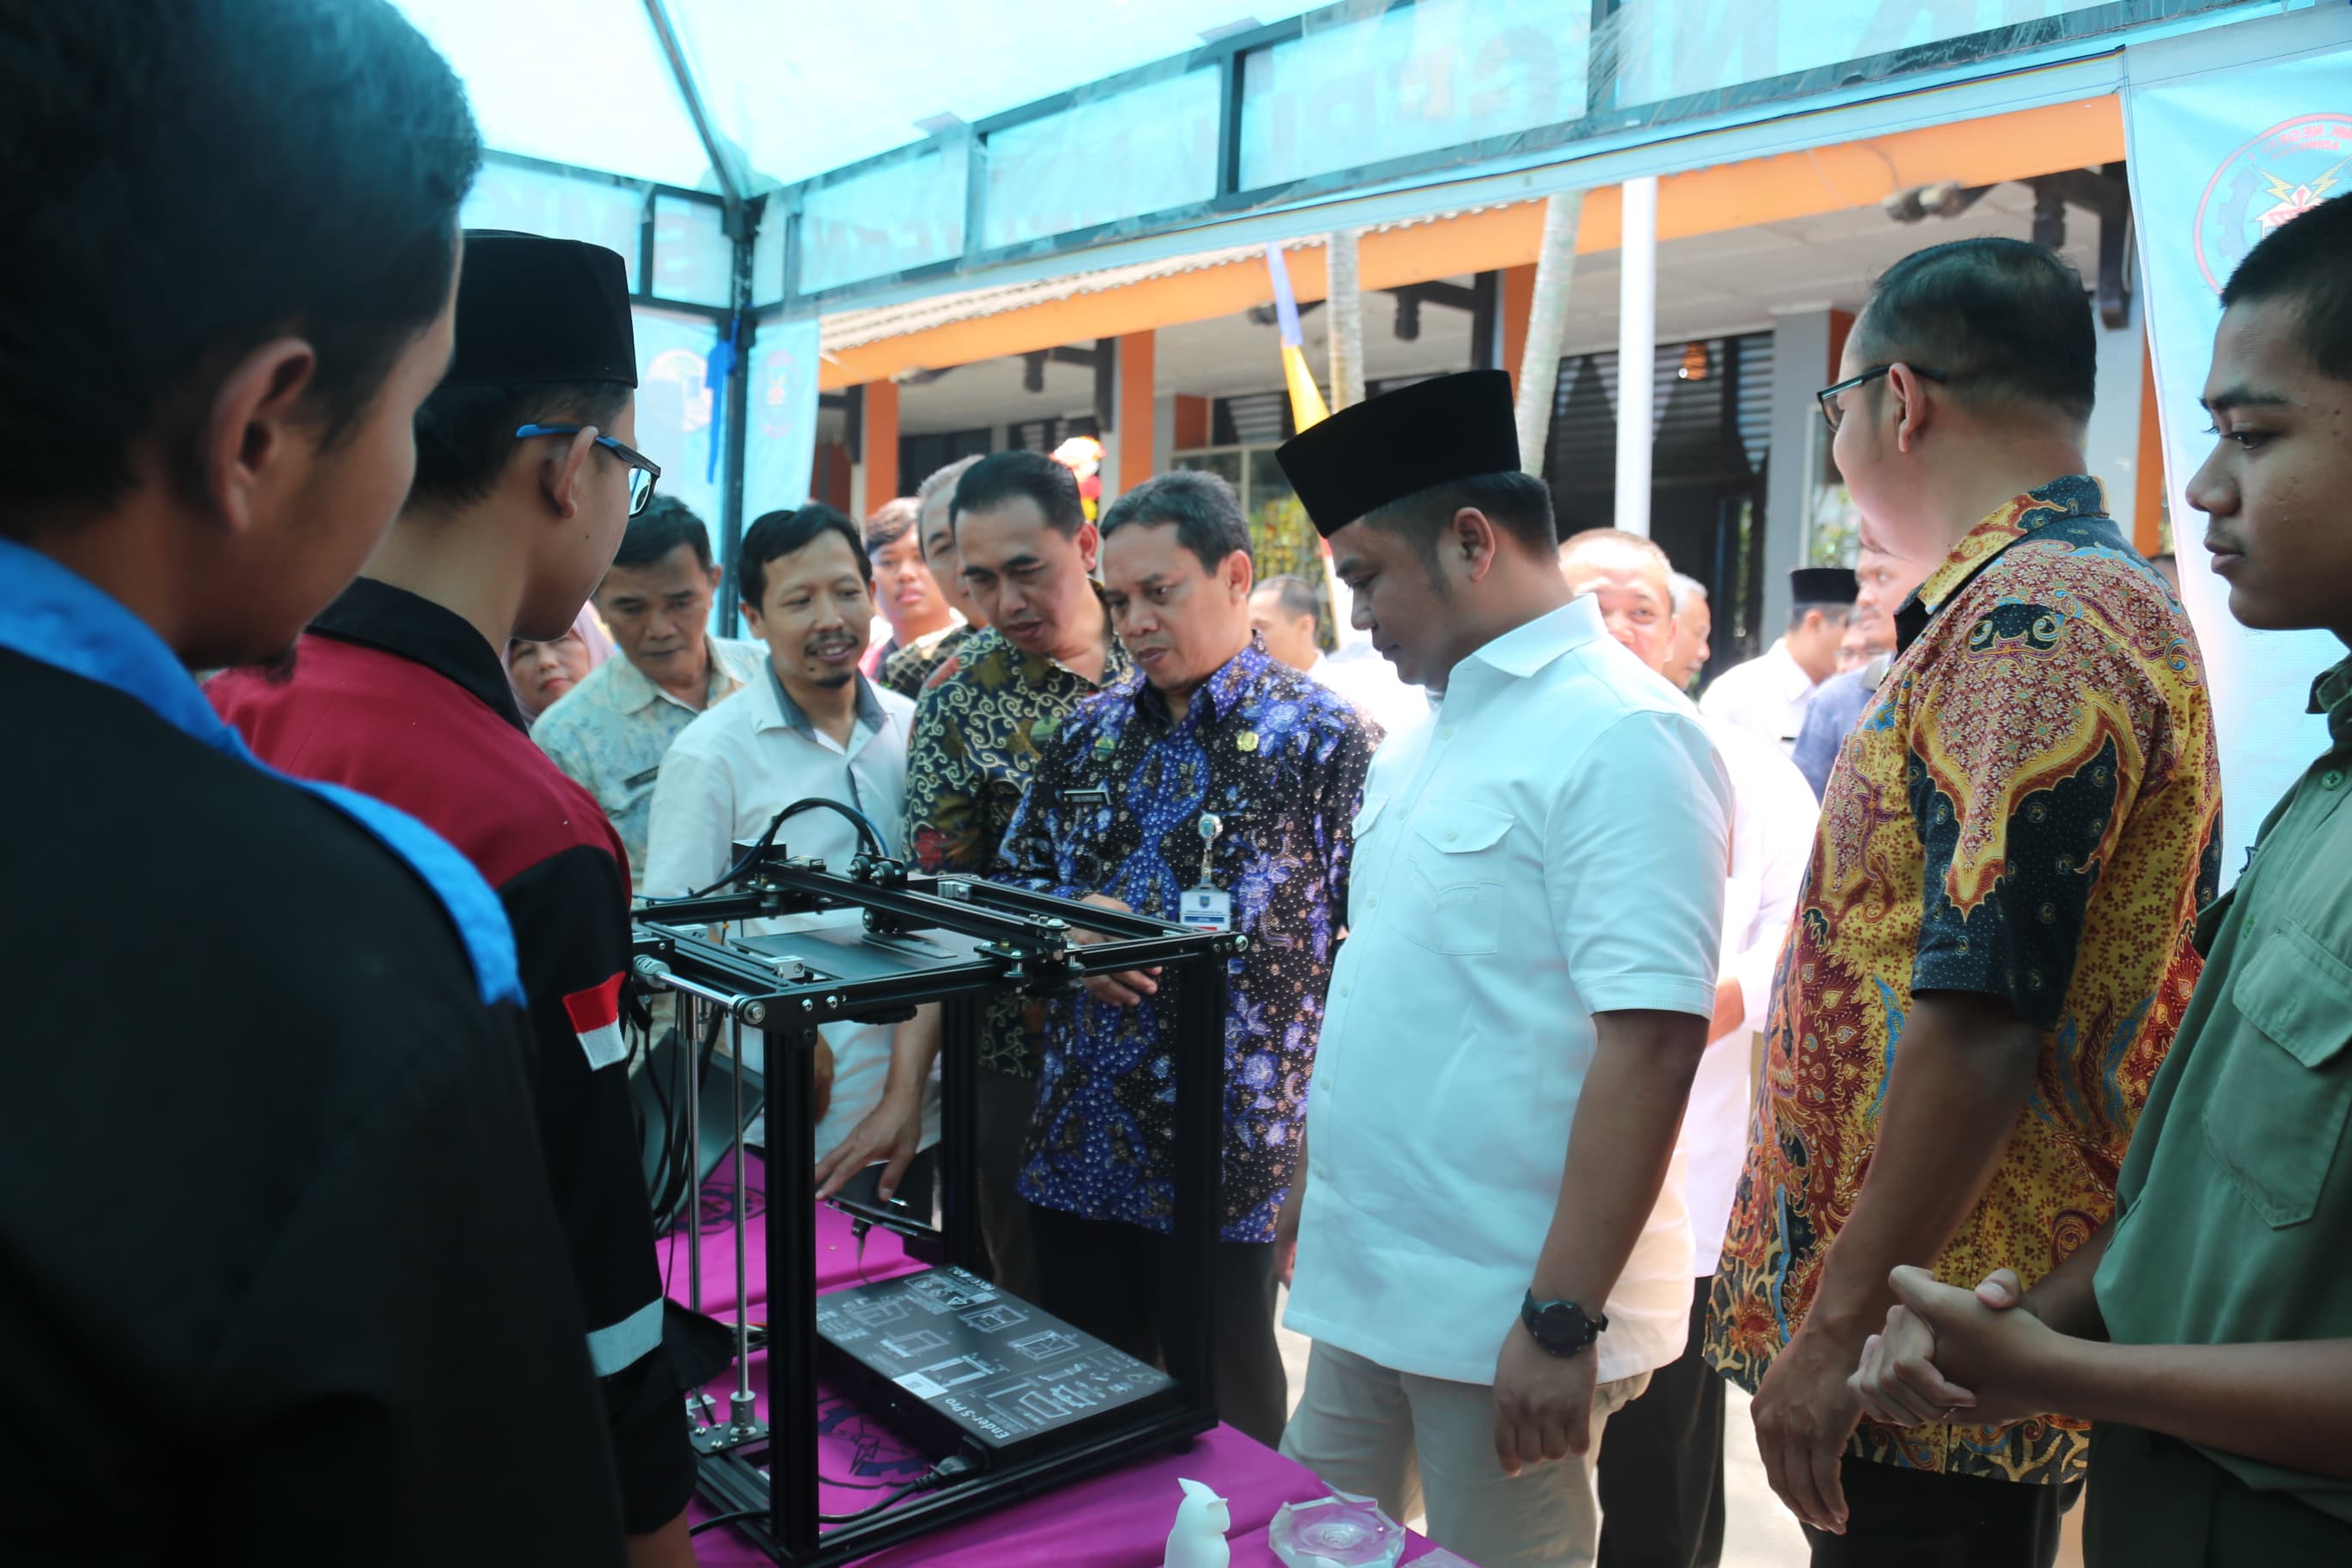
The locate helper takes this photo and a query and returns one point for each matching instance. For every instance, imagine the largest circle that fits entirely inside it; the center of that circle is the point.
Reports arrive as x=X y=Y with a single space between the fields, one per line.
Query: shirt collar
x=2332 y=694
x=1215 y=696
x=411 y=627
x=789 y=715
x=1527 y=649
x=1794 y=681
x=634 y=691
x=2075 y=495
x=53 y=615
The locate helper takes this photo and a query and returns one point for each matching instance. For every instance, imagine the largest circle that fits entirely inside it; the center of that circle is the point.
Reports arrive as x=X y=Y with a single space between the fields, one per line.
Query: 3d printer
x=1008 y=1400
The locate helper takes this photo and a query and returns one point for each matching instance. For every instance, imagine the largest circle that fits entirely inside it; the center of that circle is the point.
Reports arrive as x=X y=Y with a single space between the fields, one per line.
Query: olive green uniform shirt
x=2237 y=1195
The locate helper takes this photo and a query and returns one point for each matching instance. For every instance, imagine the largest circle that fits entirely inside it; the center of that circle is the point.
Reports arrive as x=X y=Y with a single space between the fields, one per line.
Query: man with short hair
x=1027 y=553
x=2222 y=1391
x=1492 y=1251
x=904 y=590
x=1214 y=785
x=1991 y=952
x=1284 y=611
x=909 y=670
x=810 y=727
x=268 y=1176
x=1694 y=629
x=524 y=481
x=611 y=731
x=1884 y=583
x=1660 y=1477
x=1769 y=693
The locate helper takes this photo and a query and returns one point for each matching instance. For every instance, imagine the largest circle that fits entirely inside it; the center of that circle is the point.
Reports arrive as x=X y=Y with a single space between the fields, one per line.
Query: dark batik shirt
x=2029 y=809
x=909 y=669
x=1116 y=808
x=980 y=728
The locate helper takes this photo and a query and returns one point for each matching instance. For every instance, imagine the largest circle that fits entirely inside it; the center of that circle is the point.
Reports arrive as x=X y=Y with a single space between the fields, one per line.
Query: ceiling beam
x=722 y=162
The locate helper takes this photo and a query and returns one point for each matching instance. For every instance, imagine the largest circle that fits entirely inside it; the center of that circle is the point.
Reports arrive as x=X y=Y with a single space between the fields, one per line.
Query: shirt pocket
x=2276 y=1115
x=1453 y=878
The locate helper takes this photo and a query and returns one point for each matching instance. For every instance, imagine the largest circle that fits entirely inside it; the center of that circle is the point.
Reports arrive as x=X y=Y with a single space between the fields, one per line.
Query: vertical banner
x=2231 y=132
x=779 y=434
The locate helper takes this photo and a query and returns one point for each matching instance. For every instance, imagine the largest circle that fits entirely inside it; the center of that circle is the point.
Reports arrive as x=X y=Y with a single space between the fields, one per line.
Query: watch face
x=1561 y=1327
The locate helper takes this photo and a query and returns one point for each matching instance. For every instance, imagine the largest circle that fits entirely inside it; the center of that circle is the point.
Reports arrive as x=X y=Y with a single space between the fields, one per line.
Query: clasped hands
x=1945 y=1354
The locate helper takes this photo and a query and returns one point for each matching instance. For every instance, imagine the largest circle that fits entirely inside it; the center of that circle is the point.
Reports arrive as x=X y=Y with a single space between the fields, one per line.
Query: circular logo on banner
x=2287 y=170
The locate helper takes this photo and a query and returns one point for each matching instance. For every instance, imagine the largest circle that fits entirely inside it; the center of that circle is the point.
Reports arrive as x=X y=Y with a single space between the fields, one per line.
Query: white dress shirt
x=725 y=778
x=1372 y=684
x=1773 y=817
x=1550 y=846
x=1767 y=696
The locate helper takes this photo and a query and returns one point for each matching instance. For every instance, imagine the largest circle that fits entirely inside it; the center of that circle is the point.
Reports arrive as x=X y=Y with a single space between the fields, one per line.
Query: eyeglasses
x=642 y=470
x=1828 y=396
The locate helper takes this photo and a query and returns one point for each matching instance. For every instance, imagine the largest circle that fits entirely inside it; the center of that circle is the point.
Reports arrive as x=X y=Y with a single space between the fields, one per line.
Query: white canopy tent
x=762 y=162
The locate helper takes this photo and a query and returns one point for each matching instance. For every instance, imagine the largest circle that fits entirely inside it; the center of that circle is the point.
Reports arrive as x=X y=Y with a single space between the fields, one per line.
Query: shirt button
x=1450 y=835
x=2332 y=779
x=1344 y=989
x=1445 y=732
x=1372 y=902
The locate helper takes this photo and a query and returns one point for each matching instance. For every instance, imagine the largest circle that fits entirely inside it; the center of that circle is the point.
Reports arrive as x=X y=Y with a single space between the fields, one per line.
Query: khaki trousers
x=1423 y=1445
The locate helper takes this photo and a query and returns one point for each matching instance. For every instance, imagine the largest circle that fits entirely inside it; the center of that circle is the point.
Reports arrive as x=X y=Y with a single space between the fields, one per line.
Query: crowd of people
x=1873 y=1032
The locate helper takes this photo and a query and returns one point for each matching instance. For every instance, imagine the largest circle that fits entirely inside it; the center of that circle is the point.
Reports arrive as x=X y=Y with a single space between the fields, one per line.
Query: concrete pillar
x=1804 y=340
x=1136 y=423
x=1518 y=301
x=875 y=480
x=2111 y=444
x=1637 y=348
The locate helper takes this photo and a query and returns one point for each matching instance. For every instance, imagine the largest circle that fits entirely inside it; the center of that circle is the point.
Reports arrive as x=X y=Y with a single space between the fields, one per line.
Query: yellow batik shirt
x=2029 y=809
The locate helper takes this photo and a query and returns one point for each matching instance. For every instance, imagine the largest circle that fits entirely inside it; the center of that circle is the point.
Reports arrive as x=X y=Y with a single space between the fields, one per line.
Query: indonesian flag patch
x=596 y=1018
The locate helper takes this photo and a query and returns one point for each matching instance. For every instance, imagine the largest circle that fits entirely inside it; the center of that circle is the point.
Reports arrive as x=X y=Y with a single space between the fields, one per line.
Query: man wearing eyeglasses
x=1991 y=950
x=524 y=482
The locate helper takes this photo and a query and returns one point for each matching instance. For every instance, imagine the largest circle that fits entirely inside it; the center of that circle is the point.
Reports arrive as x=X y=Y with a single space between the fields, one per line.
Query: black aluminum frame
x=1026 y=944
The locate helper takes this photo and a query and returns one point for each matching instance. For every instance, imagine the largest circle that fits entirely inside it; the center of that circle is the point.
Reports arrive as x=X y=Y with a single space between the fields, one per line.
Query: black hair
x=1206 y=512
x=781 y=533
x=188 y=179
x=1295 y=595
x=892 y=524
x=1517 y=504
x=2307 y=259
x=2001 y=319
x=1002 y=476
x=465 y=435
x=664 y=524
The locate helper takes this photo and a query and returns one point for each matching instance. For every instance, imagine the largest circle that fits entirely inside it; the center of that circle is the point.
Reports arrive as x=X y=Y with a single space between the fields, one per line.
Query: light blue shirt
x=611 y=731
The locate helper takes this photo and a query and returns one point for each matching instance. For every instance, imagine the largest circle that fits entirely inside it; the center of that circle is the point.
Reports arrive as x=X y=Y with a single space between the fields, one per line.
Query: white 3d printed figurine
x=1199 y=1539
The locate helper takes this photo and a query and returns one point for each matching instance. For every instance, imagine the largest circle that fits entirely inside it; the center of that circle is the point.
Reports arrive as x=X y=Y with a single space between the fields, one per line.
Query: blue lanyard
x=60 y=620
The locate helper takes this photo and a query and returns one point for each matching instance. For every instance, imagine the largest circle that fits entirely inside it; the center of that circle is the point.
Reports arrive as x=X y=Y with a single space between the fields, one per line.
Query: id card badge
x=1206 y=909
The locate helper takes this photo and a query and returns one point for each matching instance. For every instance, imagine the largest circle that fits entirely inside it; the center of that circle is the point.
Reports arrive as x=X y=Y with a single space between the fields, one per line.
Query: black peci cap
x=1823 y=584
x=1400 y=443
x=533 y=310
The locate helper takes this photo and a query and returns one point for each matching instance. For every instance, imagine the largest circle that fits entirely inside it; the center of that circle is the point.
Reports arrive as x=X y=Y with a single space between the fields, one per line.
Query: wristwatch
x=1561 y=1328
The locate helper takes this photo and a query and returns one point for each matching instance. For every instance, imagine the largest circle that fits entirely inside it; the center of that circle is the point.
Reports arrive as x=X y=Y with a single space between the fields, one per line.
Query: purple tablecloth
x=1116 y=1521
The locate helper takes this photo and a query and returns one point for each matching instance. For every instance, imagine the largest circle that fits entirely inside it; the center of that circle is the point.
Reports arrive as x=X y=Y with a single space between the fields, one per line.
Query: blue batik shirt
x=1115 y=807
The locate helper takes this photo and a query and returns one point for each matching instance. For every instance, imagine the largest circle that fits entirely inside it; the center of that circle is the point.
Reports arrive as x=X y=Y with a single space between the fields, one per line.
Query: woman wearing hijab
x=541 y=672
